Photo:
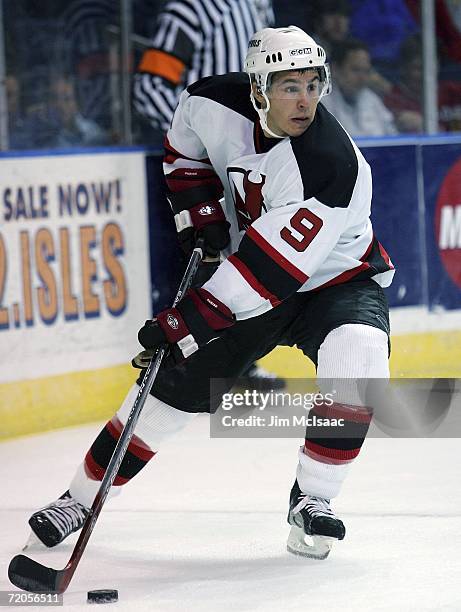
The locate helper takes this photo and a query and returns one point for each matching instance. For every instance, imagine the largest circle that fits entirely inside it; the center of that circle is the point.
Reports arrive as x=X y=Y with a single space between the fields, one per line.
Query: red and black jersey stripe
x=171 y=154
x=375 y=260
x=265 y=269
x=190 y=186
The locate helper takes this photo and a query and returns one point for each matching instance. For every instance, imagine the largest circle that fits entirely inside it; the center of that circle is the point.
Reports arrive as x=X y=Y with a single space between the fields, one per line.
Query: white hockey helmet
x=276 y=49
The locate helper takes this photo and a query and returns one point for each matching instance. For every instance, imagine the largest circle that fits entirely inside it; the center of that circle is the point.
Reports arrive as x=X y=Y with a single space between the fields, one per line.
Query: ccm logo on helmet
x=305 y=51
x=254 y=43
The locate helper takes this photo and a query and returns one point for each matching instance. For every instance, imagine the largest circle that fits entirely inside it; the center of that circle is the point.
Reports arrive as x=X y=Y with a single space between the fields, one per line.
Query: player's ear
x=257 y=93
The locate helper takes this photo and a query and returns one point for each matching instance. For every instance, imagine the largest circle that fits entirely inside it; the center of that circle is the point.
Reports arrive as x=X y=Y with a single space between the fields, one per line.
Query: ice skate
x=312 y=516
x=53 y=523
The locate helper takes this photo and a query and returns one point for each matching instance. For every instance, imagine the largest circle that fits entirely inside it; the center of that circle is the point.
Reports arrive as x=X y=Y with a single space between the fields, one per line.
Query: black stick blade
x=29 y=575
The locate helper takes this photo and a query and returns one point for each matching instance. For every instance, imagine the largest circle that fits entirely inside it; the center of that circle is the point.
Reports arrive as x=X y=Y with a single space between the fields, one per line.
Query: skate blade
x=297 y=545
x=33 y=544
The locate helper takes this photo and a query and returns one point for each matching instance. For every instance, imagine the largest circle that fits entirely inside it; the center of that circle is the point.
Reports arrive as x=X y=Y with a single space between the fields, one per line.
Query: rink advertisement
x=74 y=267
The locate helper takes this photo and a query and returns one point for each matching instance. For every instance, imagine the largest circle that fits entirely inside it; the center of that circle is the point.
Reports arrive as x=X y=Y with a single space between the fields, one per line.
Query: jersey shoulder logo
x=246 y=187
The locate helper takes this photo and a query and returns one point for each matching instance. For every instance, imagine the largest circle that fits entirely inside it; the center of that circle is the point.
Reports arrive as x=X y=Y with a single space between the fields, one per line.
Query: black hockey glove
x=203 y=274
x=207 y=221
x=194 y=195
x=197 y=319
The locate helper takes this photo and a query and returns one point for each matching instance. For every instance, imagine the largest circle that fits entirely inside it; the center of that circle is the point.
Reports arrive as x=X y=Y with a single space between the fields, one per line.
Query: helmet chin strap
x=262 y=113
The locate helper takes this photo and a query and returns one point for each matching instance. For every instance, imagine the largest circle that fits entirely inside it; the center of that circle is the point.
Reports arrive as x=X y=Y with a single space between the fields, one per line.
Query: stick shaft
x=126 y=435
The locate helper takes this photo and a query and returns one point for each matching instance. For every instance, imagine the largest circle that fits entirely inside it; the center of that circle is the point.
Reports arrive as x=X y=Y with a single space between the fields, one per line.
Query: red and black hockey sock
x=339 y=443
x=97 y=459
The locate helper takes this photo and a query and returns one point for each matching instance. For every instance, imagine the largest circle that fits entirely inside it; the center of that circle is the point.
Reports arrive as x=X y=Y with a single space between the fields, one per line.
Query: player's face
x=293 y=97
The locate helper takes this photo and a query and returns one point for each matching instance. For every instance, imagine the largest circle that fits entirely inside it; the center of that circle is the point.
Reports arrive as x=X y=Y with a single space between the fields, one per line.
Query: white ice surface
x=202 y=528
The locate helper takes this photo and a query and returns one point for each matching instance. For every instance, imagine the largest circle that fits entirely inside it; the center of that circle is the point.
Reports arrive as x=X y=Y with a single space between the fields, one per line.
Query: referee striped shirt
x=194 y=39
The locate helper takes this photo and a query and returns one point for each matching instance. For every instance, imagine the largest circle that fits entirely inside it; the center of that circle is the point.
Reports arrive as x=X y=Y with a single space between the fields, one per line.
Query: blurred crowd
x=62 y=83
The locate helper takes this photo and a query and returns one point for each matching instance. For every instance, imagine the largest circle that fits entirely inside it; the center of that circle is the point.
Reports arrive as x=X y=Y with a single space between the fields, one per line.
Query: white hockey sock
x=157 y=422
x=318 y=478
x=84 y=489
x=348 y=353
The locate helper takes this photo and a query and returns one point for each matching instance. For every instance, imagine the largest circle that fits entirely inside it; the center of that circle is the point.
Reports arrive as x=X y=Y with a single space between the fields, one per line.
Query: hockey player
x=303 y=268
x=194 y=39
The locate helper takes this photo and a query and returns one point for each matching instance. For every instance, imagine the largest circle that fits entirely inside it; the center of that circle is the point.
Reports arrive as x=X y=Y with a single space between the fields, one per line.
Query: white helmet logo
x=172 y=321
x=305 y=51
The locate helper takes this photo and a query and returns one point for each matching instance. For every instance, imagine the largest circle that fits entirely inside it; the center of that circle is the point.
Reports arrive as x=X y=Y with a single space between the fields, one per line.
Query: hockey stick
x=29 y=575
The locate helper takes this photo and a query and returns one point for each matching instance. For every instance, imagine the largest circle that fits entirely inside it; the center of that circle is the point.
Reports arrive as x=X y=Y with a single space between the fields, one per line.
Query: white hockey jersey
x=299 y=208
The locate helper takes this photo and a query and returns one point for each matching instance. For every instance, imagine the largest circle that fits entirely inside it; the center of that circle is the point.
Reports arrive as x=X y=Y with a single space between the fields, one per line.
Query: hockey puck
x=102 y=596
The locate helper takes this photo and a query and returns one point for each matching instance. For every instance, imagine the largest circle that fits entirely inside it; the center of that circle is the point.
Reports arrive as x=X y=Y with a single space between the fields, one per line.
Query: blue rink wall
x=76 y=283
